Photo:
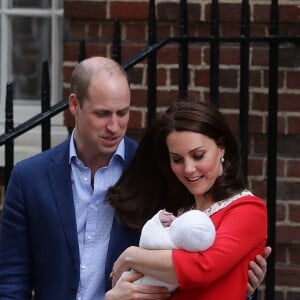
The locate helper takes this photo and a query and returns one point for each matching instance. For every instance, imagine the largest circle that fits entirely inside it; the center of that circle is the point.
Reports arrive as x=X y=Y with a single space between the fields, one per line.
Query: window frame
x=23 y=110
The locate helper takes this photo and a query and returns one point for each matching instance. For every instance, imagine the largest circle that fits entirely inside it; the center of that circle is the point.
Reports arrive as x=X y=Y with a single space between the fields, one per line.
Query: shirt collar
x=120 y=152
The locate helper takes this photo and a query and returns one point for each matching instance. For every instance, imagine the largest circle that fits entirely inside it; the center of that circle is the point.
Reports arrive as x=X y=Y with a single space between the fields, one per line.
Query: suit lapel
x=60 y=181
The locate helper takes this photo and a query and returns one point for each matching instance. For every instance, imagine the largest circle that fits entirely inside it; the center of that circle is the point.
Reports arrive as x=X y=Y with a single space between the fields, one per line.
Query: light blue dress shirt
x=94 y=220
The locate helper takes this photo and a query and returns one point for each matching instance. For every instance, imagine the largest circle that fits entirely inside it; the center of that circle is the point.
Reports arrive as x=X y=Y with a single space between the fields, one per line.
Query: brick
x=292 y=79
x=293 y=167
x=228 y=78
x=260 y=56
x=294 y=254
x=259 y=142
x=259 y=101
x=229 y=55
x=255 y=78
x=288 y=234
x=194 y=54
x=161 y=76
x=261 y=13
x=167 y=11
x=287 y=145
x=280 y=79
x=293 y=295
x=289 y=13
x=256 y=166
x=259 y=187
x=93 y=31
x=281 y=254
x=138 y=97
x=129 y=10
x=281 y=213
x=135 y=75
x=107 y=31
x=71 y=51
x=281 y=125
x=67 y=74
x=289 y=276
x=281 y=167
x=201 y=78
x=230 y=30
x=129 y=50
x=232 y=120
x=168 y=55
x=227 y=12
x=198 y=29
x=289 y=57
x=289 y=102
x=293 y=123
x=163 y=30
x=76 y=30
x=255 y=124
x=294 y=212
x=289 y=191
x=97 y=49
x=174 y=73
x=228 y=99
x=85 y=10
x=165 y=98
x=136 y=32
x=135 y=120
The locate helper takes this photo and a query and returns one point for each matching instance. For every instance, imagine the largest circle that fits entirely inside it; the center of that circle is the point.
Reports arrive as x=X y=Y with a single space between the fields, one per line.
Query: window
x=31 y=32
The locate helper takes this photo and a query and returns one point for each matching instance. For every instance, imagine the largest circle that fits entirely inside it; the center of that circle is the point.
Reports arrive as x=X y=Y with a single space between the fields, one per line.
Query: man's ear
x=74 y=104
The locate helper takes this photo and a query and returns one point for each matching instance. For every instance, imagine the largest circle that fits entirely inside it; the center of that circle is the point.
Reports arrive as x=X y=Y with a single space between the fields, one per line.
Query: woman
x=193 y=162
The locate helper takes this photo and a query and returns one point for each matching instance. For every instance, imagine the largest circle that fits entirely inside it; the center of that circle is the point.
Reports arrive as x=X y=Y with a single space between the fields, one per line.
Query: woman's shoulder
x=244 y=197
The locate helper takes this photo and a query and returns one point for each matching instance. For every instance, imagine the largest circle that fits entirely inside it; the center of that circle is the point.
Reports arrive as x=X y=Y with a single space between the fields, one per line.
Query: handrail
x=63 y=104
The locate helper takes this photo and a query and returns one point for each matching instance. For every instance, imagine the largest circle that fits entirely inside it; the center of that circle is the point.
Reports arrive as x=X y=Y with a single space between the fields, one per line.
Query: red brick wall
x=92 y=21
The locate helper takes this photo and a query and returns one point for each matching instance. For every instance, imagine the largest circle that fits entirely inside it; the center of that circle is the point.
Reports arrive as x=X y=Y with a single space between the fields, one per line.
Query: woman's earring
x=222 y=159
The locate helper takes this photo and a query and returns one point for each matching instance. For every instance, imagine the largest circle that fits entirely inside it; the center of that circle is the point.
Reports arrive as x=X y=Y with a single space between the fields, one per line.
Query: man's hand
x=125 y=289
x=257 y=271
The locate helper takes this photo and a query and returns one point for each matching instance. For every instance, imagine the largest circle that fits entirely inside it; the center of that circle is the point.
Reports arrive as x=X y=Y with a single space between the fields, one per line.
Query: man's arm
x=125 y=289
x=14 y=245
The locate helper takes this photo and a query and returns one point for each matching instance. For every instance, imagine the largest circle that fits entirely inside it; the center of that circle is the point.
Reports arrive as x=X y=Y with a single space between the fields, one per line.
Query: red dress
x=221 y=272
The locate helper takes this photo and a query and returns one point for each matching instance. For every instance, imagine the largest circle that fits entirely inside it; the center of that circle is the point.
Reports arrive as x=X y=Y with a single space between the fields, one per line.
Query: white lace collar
x=223 y=203
x=220 y=204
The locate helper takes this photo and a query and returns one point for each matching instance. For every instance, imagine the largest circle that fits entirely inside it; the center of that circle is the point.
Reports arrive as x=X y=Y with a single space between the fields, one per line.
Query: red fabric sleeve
x=241 y=232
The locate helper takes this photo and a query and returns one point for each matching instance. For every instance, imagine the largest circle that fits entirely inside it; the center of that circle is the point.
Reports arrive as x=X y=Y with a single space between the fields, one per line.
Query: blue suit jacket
x=38 y=235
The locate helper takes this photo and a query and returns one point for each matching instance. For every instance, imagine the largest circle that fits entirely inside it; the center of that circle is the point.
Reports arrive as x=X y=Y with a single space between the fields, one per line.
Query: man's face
x=101 y=122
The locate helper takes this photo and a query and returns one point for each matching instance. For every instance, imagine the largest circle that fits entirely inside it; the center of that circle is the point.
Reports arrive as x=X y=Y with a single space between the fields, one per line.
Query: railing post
x=151 y=68
x=45 y=87
x=272 y=148
x=183 y=52
x=116 y=43
x=244 y=85
x=81 y=51
x=214 y=53
x=9 y=125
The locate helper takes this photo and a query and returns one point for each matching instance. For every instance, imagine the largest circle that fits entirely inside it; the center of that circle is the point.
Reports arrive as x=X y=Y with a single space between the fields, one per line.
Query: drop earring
x=222 y=159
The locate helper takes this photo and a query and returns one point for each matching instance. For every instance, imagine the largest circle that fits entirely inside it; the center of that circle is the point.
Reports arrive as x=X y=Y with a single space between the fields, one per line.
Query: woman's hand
x=257 y=271
x=125 y=289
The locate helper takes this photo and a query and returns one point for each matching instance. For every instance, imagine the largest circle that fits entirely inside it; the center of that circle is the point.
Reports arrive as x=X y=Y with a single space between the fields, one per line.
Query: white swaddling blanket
x=192 y=231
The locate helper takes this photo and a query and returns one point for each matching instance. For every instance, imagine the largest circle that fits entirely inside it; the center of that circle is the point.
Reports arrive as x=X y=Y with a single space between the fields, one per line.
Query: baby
x=192 y=231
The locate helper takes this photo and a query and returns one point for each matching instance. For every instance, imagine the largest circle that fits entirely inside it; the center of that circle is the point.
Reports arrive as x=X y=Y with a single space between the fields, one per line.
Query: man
x=58 y=237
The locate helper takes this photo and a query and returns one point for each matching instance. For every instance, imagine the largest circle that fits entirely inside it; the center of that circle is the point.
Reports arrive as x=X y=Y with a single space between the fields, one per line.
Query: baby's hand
x=166 y=218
